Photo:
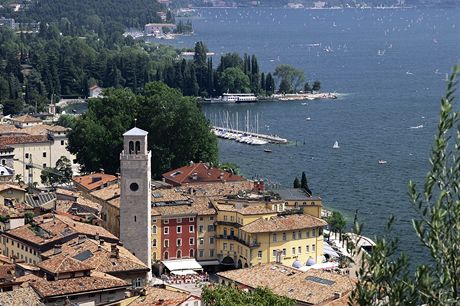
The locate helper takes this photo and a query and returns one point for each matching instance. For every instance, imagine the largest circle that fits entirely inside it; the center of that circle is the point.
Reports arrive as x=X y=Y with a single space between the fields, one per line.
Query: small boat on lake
x=336 y=145
x=267 y=151
x=382 y=162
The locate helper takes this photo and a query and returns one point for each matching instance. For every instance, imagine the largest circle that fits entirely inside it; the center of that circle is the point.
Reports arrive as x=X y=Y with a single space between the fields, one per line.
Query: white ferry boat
x=234 y=98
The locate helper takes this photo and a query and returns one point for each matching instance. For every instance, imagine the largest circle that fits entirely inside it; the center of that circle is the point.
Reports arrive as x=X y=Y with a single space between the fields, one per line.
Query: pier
x=221 y=131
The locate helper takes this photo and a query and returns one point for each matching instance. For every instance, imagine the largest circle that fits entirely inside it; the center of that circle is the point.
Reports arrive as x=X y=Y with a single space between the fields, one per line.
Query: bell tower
x=135 y=196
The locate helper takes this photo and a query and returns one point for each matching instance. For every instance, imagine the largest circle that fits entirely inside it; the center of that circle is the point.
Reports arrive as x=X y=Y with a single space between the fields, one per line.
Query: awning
x=329 y=250
x=182 y=264
x=183 y=272
x=209 y=262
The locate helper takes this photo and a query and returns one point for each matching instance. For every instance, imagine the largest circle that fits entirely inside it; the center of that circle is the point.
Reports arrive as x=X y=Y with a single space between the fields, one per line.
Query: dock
x=269 y=138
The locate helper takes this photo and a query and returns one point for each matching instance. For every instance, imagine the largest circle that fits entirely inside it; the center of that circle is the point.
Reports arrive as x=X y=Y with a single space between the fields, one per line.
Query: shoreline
x=282 y=98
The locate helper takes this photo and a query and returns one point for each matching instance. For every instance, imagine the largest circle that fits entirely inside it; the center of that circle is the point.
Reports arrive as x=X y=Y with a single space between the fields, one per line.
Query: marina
x=247 y=137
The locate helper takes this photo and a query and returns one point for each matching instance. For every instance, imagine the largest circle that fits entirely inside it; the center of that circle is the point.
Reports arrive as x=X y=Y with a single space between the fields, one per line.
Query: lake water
x=390 y=67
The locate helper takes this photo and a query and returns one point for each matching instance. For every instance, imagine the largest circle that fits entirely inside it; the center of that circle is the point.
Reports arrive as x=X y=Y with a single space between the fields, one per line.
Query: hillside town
x=125 y=239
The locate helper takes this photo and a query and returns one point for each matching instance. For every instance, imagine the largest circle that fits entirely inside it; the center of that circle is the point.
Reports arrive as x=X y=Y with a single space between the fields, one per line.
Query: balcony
x=251 y=244
x=227 y=223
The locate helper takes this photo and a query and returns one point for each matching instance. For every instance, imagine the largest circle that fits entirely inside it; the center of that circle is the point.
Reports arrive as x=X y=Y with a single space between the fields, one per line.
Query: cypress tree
x=296 y=182
x=304 y=183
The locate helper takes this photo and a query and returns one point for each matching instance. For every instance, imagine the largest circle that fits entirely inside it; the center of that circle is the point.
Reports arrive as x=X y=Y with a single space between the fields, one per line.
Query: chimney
x=57 y=249
x=337 y=295
x=194 y=176
x=101 y=242
x=96 y=237
x=81 y=239
x=114 y=251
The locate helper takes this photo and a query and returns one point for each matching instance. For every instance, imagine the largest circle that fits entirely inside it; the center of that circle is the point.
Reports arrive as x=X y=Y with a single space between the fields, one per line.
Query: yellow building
x=297 y=198
x=253 y=233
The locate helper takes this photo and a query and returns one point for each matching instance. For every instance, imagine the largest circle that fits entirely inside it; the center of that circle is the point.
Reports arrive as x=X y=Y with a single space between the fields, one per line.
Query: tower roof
x=136 y=132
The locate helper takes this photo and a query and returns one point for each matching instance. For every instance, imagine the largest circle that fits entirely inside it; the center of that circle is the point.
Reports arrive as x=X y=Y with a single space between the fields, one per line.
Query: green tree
x=290 y=75
x=296 y=182
x=230 y=296
x=178 y=131
x=304 y=183
x=316 y=86
x=307 y=87
x=234 y=80
x=384 y=276
x=336 y=223
x=285 y=86
x=60 y=174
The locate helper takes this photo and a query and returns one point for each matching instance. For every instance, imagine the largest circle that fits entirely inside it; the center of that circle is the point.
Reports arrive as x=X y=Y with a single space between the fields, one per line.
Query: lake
x=389 y=67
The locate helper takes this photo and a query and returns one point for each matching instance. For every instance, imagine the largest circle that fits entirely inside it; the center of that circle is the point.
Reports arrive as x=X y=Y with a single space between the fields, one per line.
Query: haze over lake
x=390 y=65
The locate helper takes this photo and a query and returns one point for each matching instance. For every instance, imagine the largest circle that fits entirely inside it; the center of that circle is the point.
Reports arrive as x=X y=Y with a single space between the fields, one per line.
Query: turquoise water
x=390 y=66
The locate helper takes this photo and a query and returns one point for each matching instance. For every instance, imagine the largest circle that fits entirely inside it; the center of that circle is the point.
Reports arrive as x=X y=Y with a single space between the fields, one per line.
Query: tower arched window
x=131 y=147
x=179 y=254
x=166 y=255
x=138 y=147
x=154 y=242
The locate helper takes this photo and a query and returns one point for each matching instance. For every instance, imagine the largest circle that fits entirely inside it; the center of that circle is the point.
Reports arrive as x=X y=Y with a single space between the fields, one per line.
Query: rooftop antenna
x=135 y=122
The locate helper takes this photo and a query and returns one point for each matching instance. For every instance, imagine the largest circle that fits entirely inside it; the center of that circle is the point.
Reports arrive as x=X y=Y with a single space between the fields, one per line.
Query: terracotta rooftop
x=10 y=186
x=99 y=256
x=220 y=189
x=197 y=206
x=107 y=193
x=283 y=223
x=199 y=173
x=6 y=273
x=12 y=140
x=37 y=129
x=312 y=287
x=51 y=228
x=21 y=296
x=94 y=181
x=160 y=296
x=47 y=289
x=244 y=208
x=25 y=119
x=62 y=263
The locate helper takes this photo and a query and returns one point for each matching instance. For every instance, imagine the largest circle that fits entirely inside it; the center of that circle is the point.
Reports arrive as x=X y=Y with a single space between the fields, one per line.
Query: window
x=308 y=233
x=135 y=219
x=313 y=232
x=201 y=218
x=294 y=235
x=179 y=229
x=166 y=243
x=211 y=240
x=293 y=251
x=26 y=155
x=200 y=229
x=211 y=218
x=211 y=228
x=179 y=220
x=231 y=246
x=225 y=245
x=179 y=242
x=191 y=228
x=259 y=254
x=284 y=252
x=192 y=253
x=231 y=218
x=300 y=234
x=136 y=283
x=299 y=250
x=166 y=221
x=154 y=242
x=274 y=238
x=154 y=229
x=138 y=147
x=211 y=253
x=308 y=248
x=274 y=253
x=225 y=232
x=284 y=236
x=166 y=255
x=225 y=218
x=62 y=142
x=44 y=154
x=191 y=241
x=3 y=162
x=313 y=247
x=200 y=253
x=166 y=230
x=191 y=219
x=134 y=186
x=201 y=241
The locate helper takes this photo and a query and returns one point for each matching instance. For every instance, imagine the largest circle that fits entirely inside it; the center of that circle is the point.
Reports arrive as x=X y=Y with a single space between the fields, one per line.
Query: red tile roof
x=63 y=263
x=26 y=118
x=12 y=140
x=94 y=181
x=199 y=173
